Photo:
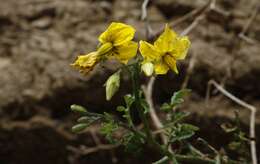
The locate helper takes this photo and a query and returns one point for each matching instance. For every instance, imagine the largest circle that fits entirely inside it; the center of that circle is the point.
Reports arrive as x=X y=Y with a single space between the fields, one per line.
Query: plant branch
x=188 y=159
x=244 y=104
x=148 y=91
x=83 y=150
x=242 y=34
x=120 y=123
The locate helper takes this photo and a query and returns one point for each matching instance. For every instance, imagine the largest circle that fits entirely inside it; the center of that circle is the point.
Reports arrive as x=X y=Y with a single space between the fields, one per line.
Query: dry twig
x=244 y=104
x=148 y=91
x=190 y=69
x=242 y=34
x=194 y=13
x=83 y=150
x=198 y=15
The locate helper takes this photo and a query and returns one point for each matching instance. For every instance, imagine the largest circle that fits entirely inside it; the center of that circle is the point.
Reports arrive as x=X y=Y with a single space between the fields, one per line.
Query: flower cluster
x=116 y=43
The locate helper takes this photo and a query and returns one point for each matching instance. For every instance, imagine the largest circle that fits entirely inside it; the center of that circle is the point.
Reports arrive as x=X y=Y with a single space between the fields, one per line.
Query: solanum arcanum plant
x=116 y=42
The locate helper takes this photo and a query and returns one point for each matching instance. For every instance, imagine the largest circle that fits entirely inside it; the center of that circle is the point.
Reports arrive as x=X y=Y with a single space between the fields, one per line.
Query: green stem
x=135 y=74
x=136 y=91
x=120 y=123
x=163 y=150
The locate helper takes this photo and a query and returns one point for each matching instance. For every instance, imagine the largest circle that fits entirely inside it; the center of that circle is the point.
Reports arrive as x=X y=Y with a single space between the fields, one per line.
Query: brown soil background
x=40 y=38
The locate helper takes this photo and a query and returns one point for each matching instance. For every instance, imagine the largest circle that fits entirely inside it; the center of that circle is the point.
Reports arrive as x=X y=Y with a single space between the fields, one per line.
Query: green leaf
x=166 y=107
x=234 y=145
x=129 y=100
x=178 y=96
x=121 y=109
x=179 y=116
x=176 y=99
x=189 y=127
x=228 y=128
x=133 y=143
x=126 y=114
x=242 y=136
x=109 y=127
x=78 y=109
x=145 y=106
x=79 y=127
x=108 y=117
x=183 y=132
x=176 y=117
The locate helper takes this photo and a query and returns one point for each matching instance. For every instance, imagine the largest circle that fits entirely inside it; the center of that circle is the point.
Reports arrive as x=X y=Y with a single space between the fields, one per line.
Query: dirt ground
x=40 y=38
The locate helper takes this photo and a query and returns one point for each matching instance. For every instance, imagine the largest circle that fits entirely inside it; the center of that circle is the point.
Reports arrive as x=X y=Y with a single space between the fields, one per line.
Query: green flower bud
x=78 y=109
x=112 y=85
x=148 y=68
x=83 y=119
x=79 y=127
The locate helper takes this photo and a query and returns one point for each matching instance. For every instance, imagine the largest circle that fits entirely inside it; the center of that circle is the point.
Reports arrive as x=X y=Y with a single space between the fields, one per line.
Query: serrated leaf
x=108 y=117
x=176 y=118
x=183 y=132
x=179 y=116
x=189 y=127
x=129 y=100
x=126 y=114
x=121 y=109
x=133 y=143
x=145 y=106
x=178 y=96
x=109 y=127
x=166 y=107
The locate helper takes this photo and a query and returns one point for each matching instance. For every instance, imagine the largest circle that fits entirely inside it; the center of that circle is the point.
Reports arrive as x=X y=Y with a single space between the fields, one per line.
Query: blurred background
x=40 y=38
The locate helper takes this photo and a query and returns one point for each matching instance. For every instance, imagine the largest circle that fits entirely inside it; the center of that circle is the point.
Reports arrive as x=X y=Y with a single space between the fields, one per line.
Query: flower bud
x=78 y=109
x=112 y=85
x=148 y=68
x=79 y=127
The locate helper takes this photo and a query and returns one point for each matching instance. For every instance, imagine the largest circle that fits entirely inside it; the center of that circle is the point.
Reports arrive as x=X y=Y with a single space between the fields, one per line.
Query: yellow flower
x=165 y=51
x=86 y=63
x=116 y=42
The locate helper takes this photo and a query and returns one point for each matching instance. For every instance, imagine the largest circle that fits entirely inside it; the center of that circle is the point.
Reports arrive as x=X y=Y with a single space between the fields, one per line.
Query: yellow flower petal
x=125 y=52
x=171 y=62
x=148 y=51
x=180 y=48
x=165 y=41
x=86 y=63
x=117 y=34
x=161 y=68
x=104 y=48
